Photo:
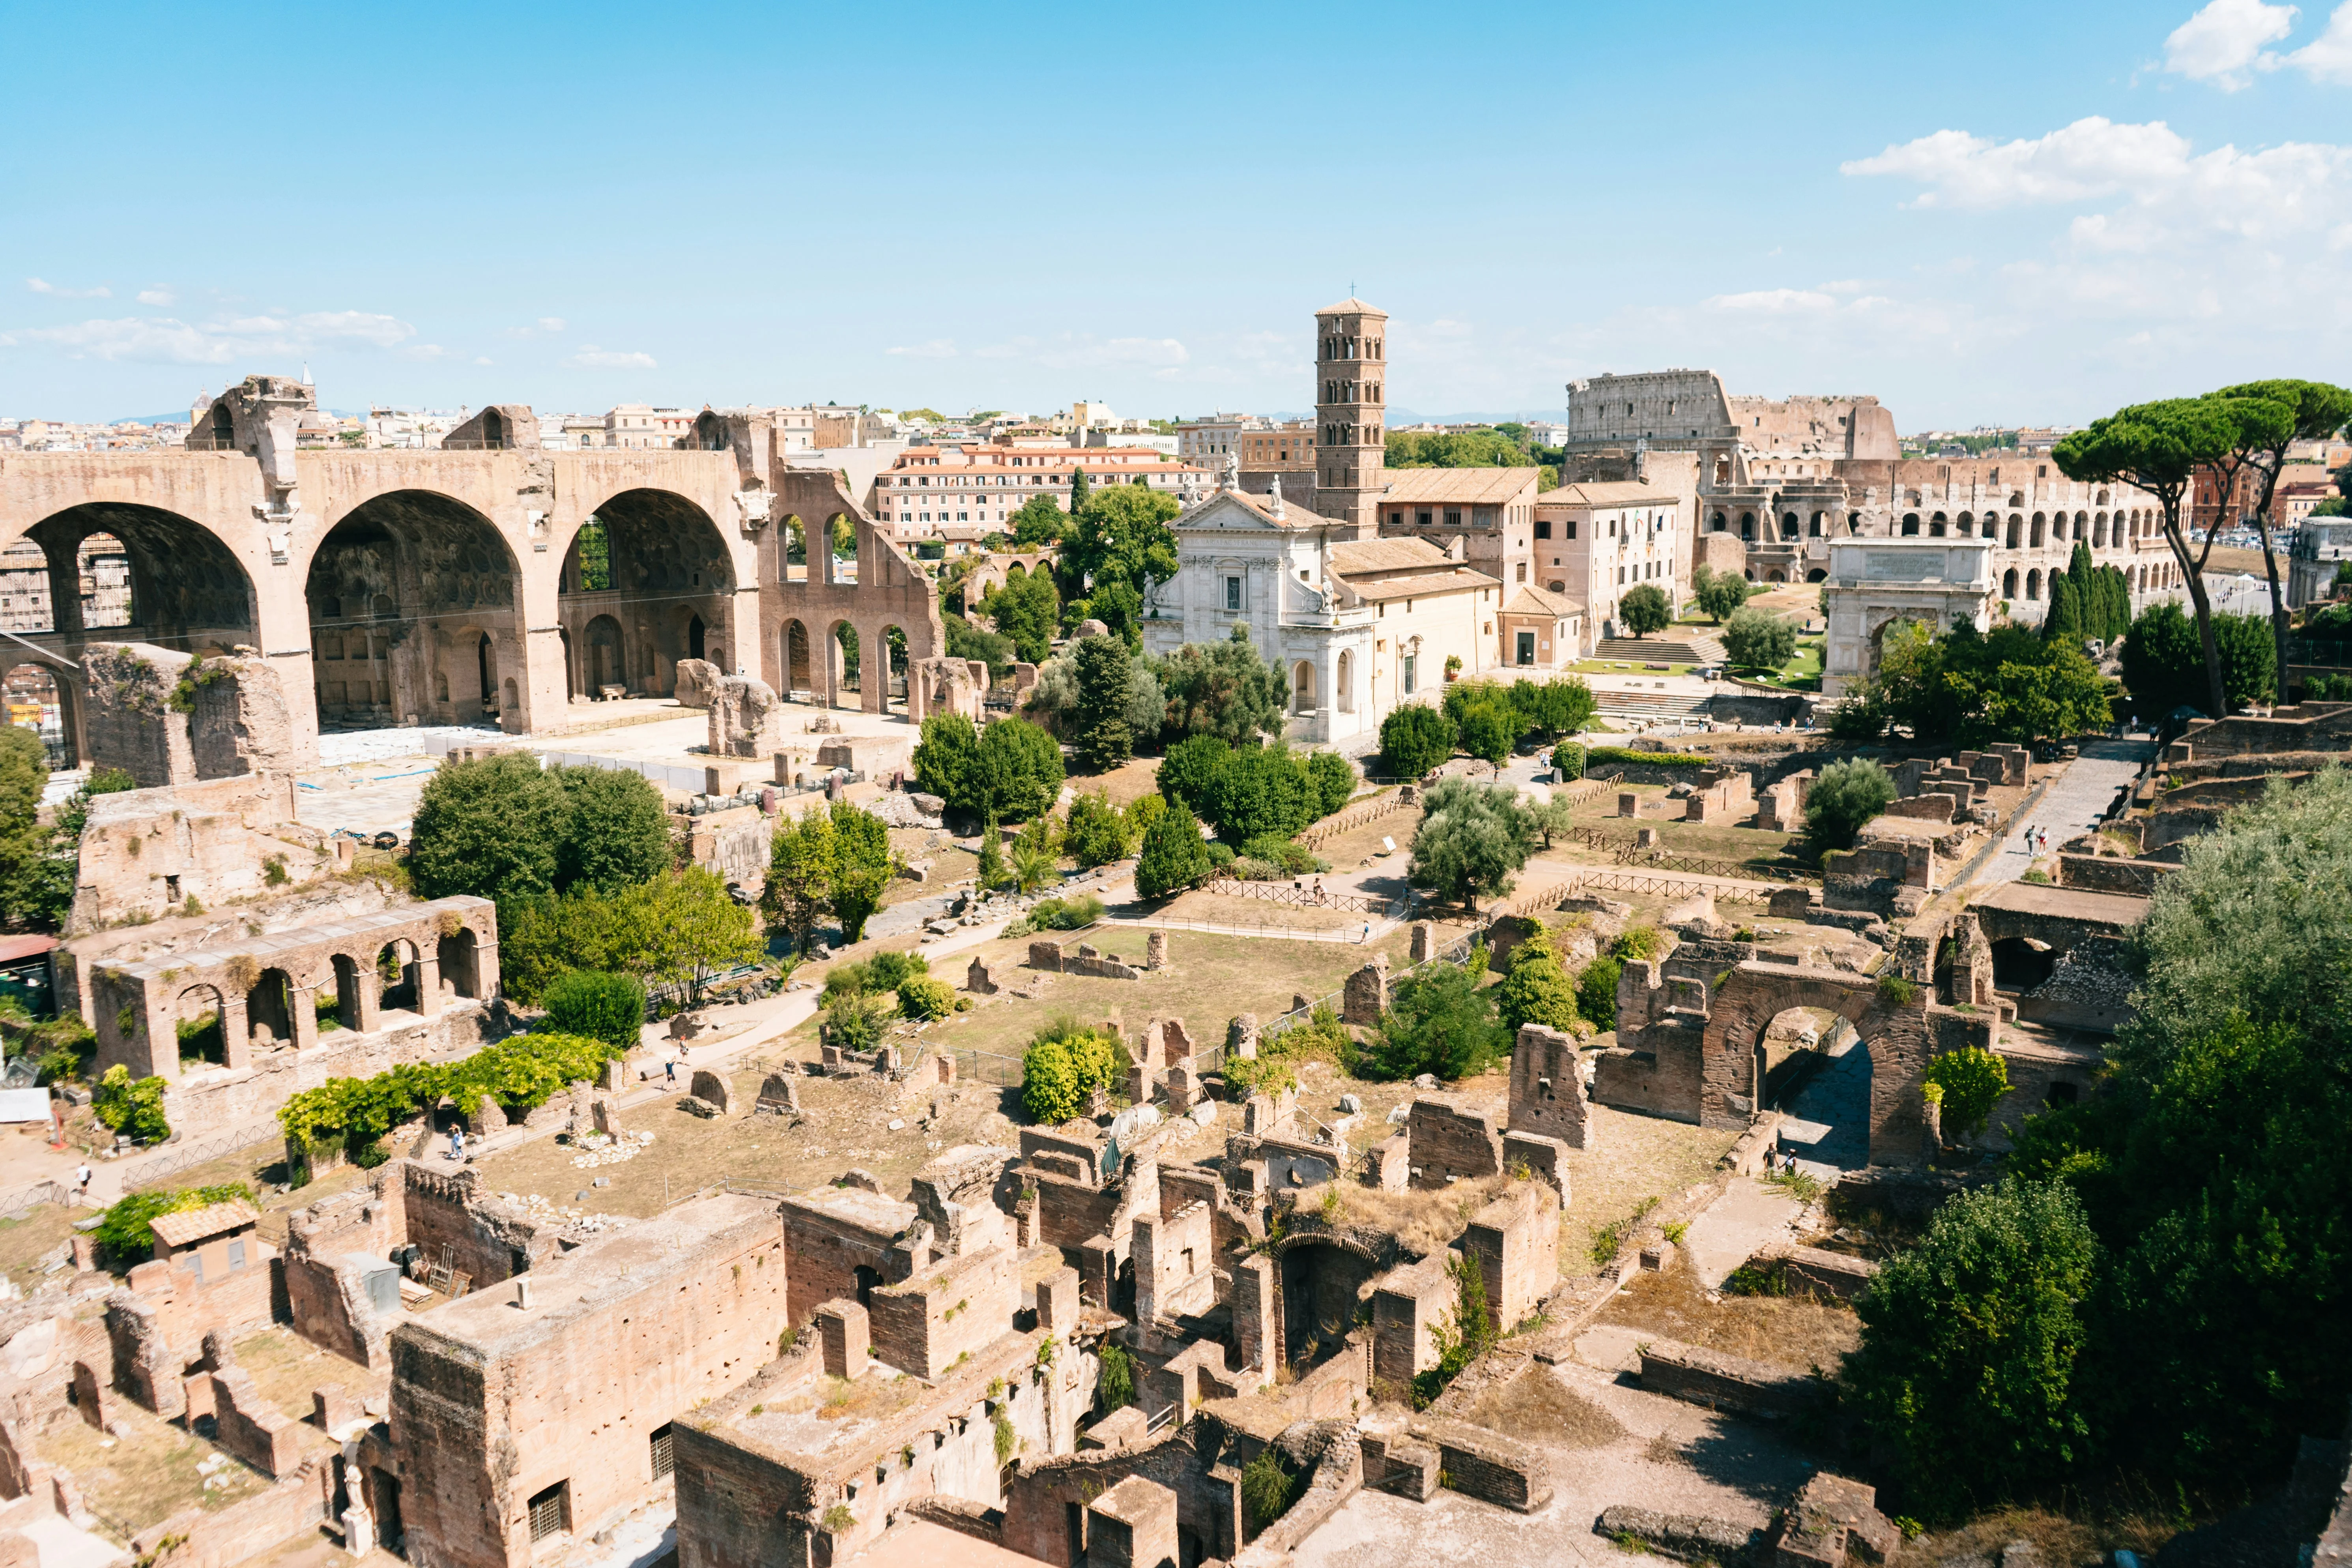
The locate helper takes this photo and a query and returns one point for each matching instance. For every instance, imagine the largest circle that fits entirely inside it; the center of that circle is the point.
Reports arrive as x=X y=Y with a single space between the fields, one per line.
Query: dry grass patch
x=1794 y=1332
x=1633 y=1158
x=148 y=1475
x=1263 y=915
x=1537 y=1407
x=2061 y=1540
x=31 y=1237
x=1424 y=1222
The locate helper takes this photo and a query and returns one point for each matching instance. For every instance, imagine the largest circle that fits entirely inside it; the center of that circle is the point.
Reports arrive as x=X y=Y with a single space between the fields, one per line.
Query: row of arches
x=2044 y=529
x=2154 y=577
x=363 y=992
x=1305 y=686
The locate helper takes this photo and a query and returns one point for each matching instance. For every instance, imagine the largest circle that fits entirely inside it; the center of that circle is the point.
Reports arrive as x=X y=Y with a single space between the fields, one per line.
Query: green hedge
x=520 y=1074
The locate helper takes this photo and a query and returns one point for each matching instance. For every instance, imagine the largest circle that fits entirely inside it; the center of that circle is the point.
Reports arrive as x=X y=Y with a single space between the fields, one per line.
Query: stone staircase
x=1651 y=706
x=1681 y=646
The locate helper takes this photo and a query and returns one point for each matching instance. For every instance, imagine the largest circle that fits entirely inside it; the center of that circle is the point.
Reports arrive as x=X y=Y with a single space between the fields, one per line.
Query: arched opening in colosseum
x=1325 y=1290
x=1938 y=526
x=1788 y=525
x=1716 y=522
x=665 y=568
x=2009 y=584
x=38 y=702
x=1819 y=526
x=1816 y=576
x=116 y=572
x=397 y=977
x=1910 y=524
x=269 y=1010
x=400 y=594
x=2039 y=523
x=1966 y=524
x=2099 y=532
x=2033 y=586
x=459 y=954
x=201 y=1023
x=2016 y=530
x=1811 y=1064
x=1748 y=525
x=796 y=664
x=1775 y=576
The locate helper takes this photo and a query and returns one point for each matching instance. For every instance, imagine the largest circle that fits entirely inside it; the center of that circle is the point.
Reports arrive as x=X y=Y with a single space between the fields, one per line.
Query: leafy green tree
x=1334 y=778
x=1970 y=1346
x=1119 y=534
x=799 y=889
x=1414 y=740
x=1488 y=730
x=2009 y=684
x=1018 y=770
x=1224 y=690
x=2163 y=666
x=126 y=1229
x=990 y=871
x=1759 y=640
x=1266 y=1489
x=864 y=866
x=967 y=641
x=1261 y=790
x=1596 y=991
x=1644 y=609
x=491 y=827
x=1173 y=856
x=1040 y=523
x=922 y=997
x=690 y=930
x=1188 y=774
x=132 y=1107
x=1438 y=1021
x=598 y=1006
x=1065 y=1064
x=947 y=761
x=617 y=833
x=1844 y=797
x=1473 y=839
x=1721 y=594
x=1028 y=610
x=1455 y=449
x=2315 y=410
x=1080 y=490
x=2161 y=448
x=1559 y=707
x=1535 y=988
x=1104 y=740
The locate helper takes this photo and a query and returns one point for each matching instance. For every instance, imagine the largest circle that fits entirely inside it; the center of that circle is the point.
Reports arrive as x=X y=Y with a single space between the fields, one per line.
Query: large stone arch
x=667 y=564
x=1899 y=1036
x=399 y=592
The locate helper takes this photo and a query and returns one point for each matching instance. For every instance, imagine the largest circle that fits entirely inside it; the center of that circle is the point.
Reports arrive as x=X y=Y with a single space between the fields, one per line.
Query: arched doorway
x=1810 y=1064
x=36 y=702
x=1325 y=1288
x=398 y=976
x=400 y=590
x=269 y=1010
x=606 y=665
x=842 y=654
x=795 y=662
x=1347 y=683
x=201 y=1026
x=655 y=564
x=458 y=954
x=1302 y=687
x=2019 y=963
x=894 y=690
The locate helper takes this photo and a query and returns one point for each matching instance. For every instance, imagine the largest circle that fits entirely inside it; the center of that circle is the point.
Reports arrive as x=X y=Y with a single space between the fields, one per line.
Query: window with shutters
x=546 y=1511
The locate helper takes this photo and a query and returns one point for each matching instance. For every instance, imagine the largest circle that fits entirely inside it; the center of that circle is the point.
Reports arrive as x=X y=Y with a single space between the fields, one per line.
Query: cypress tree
x=1079 y=490
x=2064 y=624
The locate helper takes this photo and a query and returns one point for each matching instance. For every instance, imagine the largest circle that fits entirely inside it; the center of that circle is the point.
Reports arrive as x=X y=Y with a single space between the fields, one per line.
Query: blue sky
x=2013 y=212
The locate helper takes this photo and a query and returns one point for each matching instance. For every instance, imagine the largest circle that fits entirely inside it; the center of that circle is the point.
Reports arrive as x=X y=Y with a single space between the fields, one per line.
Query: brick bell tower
x=1351 y=393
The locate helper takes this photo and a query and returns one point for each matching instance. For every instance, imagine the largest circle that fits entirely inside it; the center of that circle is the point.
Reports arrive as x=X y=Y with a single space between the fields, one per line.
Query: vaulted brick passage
x=646 y=582
x=413 y=612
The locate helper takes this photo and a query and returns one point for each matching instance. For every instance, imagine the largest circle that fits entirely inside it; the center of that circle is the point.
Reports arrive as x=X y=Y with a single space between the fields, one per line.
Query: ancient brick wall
x=1037 y=1504
x=951 y=1308
x=244 y=1532
x=1721 y=1382
x=1663 y=1077
x=1406 y=1302
x=1897 y=1035
x=1548 y=1086
x=830 y=1235
x=1516 y=1240
x=1451 y=1140
x=1486 y=1465
x=450 y=1214
x=2105 y=874
x=493 y=1404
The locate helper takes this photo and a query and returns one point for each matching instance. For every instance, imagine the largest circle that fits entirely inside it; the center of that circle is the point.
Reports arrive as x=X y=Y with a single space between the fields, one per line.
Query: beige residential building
x=1487 y=513
x=1596 y=543
x=929 y=487
x=1542 y=631
x=641 y=426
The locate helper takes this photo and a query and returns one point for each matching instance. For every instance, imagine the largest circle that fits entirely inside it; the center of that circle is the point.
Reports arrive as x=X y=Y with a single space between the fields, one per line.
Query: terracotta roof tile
x=195 y=1224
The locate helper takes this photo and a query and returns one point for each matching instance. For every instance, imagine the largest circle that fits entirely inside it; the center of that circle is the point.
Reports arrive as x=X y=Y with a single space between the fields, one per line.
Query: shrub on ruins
x=1970 y=1344
x=492 y=827
x=1224 y=689
x=597 y=1005
x=1267 y=1490
x=520 y=1075
x=1414 y=740
x=126 y=1229
x=1596 y=991
x=923 y=997
x=1173 y=858
x=1967 y=1083
x=132 y=1107
x=1644 y=609
x=1027 y=610
x=617 y=832
x=1758 y=639
x=1466 y=1331
x=1472 y=840
x=1438 y=1021
x=39 y=866
x=1065 y=1062
x=1535 y=988
x=1488 y=730
x=1977 y=687
x=2164 y=661
x=969 y=642
x=1845 y=797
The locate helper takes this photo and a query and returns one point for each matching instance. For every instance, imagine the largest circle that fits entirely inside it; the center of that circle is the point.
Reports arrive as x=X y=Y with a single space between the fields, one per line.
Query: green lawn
x=1801 y=673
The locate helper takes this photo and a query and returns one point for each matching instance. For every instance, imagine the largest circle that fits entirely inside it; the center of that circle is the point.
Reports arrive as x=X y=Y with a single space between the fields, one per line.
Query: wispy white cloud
x=590 y=357
x=937 y=348
x=158 y=297
x=164 y=340
x=1774 y=301
x=42 y=286
x=2227 y=39
x=2328 y=57
x=544 y=324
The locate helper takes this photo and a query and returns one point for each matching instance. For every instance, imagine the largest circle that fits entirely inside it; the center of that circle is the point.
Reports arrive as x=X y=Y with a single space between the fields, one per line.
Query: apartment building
x=1597 y=541
x=931 y=488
